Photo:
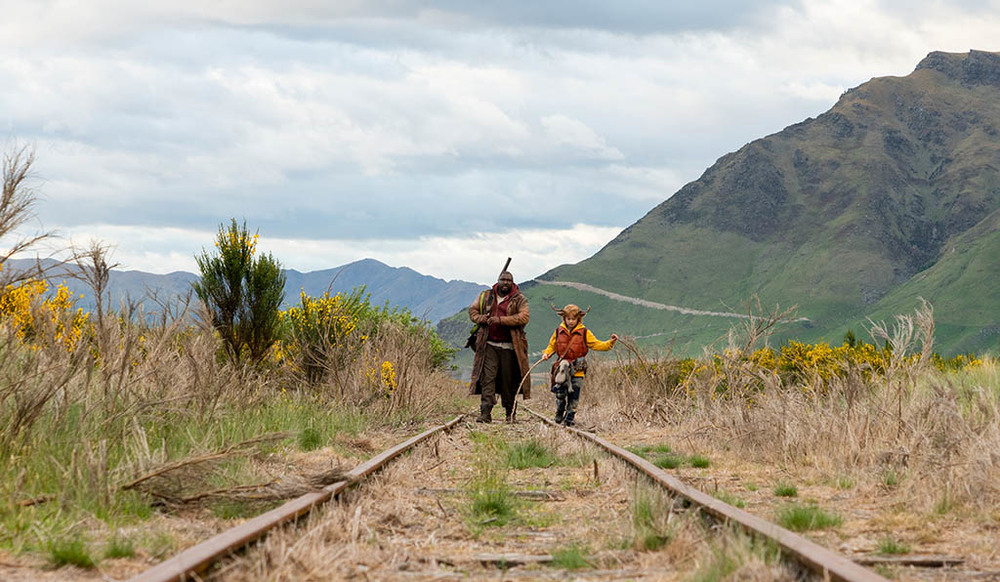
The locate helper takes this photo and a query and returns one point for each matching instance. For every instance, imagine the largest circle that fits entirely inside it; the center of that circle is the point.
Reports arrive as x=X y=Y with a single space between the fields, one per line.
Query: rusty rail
x=828 y=564
x=188 y=563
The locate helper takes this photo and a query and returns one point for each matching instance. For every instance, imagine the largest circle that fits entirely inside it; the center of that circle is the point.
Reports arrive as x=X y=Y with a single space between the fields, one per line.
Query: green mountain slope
x=961 y=286
x=885 y=197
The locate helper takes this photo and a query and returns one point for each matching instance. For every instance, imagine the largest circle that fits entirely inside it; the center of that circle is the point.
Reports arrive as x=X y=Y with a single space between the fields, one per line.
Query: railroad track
x=420 y=525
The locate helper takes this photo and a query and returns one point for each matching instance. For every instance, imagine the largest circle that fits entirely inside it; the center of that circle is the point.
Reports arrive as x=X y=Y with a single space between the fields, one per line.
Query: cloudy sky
x=443 y=135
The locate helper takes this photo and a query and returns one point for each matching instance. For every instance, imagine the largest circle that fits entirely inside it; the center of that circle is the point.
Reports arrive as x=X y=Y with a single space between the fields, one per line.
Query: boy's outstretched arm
x=601 y=346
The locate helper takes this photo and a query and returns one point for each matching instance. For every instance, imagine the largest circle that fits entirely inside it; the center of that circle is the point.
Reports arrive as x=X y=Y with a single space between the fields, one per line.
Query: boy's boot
x=560 y=406
x=570 y=417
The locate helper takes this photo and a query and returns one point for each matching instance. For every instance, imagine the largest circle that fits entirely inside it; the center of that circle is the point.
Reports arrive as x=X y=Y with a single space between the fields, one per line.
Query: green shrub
x=242 y=293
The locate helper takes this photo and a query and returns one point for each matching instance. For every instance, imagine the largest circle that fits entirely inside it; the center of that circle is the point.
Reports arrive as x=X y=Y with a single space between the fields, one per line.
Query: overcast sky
x=439 y=135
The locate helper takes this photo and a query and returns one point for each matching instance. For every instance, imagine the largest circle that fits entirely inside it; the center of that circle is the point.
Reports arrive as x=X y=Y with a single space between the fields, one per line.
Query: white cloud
x=382 y=120
x=564 y=131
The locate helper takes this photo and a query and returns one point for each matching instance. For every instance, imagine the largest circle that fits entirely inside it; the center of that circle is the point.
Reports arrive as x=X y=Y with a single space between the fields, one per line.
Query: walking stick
x=513 y=413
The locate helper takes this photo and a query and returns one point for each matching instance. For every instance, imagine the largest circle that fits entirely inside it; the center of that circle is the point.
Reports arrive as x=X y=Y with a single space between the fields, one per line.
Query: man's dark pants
x=500 y=376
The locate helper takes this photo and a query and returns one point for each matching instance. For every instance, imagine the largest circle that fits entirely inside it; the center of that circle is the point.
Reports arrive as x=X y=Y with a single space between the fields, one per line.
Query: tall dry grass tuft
x=903 y=422
x=145 y=409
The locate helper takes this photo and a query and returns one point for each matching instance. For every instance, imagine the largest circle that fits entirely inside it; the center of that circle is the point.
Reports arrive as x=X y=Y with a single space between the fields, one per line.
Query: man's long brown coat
x=516 y=318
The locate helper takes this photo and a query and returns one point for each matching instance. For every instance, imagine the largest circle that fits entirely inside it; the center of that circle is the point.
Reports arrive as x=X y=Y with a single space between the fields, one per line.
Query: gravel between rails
x=413 y=520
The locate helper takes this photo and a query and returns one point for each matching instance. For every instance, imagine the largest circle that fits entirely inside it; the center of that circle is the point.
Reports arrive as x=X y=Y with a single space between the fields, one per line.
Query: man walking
x=501 y=347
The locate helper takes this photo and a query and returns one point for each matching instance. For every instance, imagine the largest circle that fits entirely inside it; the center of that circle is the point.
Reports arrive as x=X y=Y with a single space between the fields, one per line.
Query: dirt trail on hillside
x=645 y=303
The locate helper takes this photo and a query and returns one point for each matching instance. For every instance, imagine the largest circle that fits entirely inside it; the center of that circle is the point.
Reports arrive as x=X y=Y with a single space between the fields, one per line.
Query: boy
x=571 y=341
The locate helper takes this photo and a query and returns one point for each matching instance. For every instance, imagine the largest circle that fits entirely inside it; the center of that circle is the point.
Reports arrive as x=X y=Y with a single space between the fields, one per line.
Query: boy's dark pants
x=501 y=373
x=567 y=397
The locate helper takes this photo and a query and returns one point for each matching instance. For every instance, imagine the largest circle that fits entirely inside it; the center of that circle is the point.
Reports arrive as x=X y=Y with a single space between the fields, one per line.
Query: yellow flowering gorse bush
x=796 y=363
x=322 y=333
x=37 y=318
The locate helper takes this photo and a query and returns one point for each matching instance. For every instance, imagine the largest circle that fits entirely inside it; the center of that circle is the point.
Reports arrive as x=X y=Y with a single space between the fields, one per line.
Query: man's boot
x=485 y=412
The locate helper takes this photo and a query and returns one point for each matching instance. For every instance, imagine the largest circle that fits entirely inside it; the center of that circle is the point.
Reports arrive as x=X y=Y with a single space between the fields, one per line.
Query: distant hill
x=427 y=297
x=892 y=194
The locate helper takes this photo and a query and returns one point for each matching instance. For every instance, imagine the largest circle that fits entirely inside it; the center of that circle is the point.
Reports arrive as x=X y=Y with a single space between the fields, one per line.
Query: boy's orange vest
x=571 y=345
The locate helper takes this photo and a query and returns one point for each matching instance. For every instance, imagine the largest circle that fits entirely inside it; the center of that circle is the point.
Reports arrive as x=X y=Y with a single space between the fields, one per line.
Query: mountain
x=426 y=297
x=891 y=195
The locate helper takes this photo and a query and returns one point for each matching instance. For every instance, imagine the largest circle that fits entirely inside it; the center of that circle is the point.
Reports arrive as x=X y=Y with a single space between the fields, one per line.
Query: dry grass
x=145 y=417
x=913 y=452
x=938 y=432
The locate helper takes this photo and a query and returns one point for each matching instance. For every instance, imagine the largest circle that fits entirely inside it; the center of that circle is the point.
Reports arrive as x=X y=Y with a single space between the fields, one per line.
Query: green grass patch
x=892 y=546
x=660 y=455
x=727 y=497
x=890 y=478
x=845 y=482
x=572 y=557
x=234 y=509
x=70 y=551
x=786 y=490
x=530 y=453
x=492 y=507
x=479 y=437
x=668 y=461
x=699 y=461
x=649 y=521
x=310 y=439
x=119 y=546
x=646 y=451
x=806 y=518
x=490 y=501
